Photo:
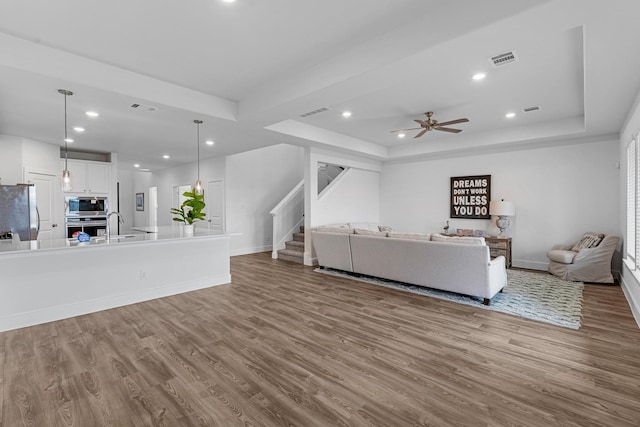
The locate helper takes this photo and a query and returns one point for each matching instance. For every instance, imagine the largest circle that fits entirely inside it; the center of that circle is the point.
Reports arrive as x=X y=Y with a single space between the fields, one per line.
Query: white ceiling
x=251 y=68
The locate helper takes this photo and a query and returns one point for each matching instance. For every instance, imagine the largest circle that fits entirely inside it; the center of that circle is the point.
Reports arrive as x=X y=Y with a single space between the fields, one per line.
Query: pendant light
x=198 y=188
x=66 y=175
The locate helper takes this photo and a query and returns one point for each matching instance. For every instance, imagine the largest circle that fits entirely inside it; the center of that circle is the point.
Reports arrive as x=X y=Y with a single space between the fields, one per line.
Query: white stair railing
x=288 y=215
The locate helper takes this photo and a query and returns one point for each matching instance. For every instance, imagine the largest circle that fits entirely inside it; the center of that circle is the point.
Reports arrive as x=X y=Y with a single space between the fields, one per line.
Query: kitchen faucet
x=120 y=221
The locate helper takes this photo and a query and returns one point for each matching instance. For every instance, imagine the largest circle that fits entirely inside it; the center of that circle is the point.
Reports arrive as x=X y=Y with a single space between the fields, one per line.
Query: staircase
x=294 y=249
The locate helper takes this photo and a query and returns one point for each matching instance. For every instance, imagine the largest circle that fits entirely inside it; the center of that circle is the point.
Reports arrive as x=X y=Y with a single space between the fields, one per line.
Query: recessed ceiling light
x=69 y=140
x=78 y=129
x=229 y=1
x=166 y=156
x=210 y=142
x=479 y=76
x=401 y=135
x=346 y=114
x=92 y=114
x=510 y=115
x=137 y=165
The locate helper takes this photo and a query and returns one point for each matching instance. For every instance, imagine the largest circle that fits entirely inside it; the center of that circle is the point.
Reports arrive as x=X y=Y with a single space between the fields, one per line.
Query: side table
x=500 y=246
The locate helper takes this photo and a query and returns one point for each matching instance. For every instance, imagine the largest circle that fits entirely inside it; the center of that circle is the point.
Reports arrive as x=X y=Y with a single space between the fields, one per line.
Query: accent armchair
x=586 y=264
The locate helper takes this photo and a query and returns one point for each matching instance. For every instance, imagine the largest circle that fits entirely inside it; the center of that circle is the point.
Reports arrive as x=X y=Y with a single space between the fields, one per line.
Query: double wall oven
x=86 y=214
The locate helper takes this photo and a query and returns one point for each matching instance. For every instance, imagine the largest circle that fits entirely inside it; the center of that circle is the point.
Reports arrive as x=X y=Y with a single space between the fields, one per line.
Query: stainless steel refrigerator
x=18 y=212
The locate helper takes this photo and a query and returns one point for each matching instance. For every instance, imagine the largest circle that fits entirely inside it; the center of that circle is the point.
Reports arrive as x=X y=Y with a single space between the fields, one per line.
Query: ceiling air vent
x=144 y=107
x=318 y=111
x=530 y=109
x=504 y=58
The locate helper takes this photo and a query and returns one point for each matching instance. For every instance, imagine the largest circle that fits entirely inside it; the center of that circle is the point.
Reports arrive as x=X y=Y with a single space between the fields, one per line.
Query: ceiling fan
x=430 y=124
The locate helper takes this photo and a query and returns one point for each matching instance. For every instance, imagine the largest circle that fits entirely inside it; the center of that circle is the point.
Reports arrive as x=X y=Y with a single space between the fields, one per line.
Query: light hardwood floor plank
x=285 y=346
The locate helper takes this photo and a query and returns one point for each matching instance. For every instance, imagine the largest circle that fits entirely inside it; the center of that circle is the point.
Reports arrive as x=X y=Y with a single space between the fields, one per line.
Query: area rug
x=535 y=296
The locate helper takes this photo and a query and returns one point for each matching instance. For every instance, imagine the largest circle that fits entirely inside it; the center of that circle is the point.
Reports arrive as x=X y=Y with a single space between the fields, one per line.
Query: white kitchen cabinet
x=89 y=177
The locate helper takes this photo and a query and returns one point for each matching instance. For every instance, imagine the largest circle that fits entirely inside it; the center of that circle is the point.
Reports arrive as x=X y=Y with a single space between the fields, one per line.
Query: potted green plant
x=190 y=210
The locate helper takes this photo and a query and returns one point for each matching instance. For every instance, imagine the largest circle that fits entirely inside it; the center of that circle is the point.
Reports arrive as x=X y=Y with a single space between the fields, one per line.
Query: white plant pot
x=188 y=229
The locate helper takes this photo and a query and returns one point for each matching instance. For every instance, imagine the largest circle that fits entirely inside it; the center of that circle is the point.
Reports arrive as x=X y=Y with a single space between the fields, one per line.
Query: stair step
x=295 y=245
x=289 y=255
x=298 y=237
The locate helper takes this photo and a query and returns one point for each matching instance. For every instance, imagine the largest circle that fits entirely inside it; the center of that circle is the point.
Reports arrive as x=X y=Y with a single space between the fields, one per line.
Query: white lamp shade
x=502 y=208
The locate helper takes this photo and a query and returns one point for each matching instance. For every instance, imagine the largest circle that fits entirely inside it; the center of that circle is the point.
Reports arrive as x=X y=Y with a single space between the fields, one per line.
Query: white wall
x=256 y=181
x=141 y=183
x=629 y=280
x=40 y=155
x=11 y=155
x=353 y=197
x=165 y=180
x=559 y=192
x=126 y=203
x=20 y=153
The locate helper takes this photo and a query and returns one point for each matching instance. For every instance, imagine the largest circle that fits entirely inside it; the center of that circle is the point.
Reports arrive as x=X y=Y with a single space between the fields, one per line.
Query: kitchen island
x=48 y=280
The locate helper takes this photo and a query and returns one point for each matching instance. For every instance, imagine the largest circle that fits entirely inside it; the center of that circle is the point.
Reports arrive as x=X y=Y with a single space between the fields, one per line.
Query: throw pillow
x=370 y=232
x=477 y=241
x=364 y=226
x=412 y=236
x=341 y=230
x=589 y=240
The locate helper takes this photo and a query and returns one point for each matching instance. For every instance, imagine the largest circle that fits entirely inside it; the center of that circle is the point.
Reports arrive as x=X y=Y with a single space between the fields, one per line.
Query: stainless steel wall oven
x=86 y=214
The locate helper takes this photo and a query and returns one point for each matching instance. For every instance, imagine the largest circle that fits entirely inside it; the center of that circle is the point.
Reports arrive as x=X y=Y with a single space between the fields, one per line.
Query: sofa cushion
x=369 y=232
x=589 y=240
x=372 y=226
x=477 y=241
x=561 y=256
x=413 y=236
x=328 y=229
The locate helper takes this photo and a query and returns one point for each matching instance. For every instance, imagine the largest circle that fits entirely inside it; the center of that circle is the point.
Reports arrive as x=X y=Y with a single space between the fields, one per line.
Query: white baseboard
x=37 y=317
x=634 y=303
x=309 y=260
x=247 y=251
x=532 y=265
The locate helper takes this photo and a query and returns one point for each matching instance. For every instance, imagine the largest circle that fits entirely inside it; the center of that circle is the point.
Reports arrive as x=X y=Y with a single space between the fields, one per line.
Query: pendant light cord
x=66 y=150
x=198 y=142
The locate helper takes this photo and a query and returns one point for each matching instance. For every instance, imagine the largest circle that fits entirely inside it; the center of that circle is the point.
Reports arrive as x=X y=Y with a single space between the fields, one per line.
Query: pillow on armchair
x=589 y=240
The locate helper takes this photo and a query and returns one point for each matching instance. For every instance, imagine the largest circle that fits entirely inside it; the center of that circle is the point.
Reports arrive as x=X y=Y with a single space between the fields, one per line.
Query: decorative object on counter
x=467 y=232
x=140 y=201
x=190 y=210
x=198 y=187
x=66 y=175
x=83 y=237
x=446 y=228
x=502 y=209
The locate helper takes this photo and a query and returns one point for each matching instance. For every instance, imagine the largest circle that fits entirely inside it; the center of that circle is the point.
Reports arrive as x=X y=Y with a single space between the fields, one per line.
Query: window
x=633 y=207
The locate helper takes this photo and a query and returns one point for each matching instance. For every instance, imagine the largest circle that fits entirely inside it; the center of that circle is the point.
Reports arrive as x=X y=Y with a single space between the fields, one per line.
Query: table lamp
x=502 y=209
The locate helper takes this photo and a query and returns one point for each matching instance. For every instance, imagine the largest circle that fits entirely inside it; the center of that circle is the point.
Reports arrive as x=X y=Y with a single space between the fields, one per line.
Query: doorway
x=48 y=202
x=214 y=198
x=153 y=206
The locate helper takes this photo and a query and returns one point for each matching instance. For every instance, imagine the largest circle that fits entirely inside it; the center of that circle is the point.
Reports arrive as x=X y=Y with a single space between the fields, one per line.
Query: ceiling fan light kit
x=432 y=124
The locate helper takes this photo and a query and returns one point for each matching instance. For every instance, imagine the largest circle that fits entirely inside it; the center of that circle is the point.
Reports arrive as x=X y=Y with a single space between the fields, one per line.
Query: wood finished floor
x=284 y=346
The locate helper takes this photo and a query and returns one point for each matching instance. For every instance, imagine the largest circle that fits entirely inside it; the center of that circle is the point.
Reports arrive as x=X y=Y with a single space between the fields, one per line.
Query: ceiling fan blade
x=403 y=130
x=448 y=129
x=453 y=122
x=421 y=122
x=420 y=134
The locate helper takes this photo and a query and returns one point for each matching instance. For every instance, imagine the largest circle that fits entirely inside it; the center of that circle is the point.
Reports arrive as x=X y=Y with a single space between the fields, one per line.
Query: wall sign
x=470 y=196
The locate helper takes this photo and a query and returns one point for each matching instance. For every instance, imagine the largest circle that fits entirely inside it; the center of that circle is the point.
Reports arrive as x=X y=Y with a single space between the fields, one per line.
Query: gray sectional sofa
x=462 y=266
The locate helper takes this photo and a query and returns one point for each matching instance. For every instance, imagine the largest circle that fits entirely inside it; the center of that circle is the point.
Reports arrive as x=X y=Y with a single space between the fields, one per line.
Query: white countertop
x=164 y=233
